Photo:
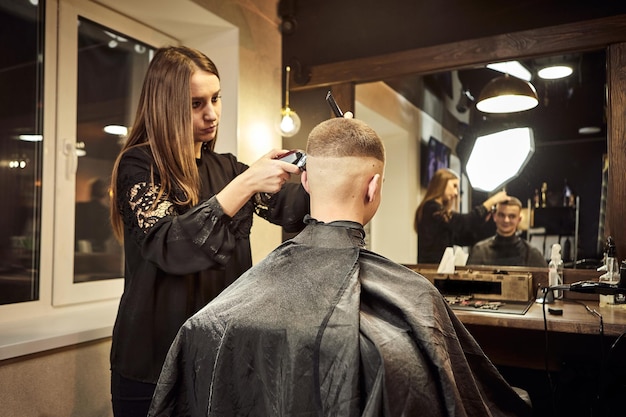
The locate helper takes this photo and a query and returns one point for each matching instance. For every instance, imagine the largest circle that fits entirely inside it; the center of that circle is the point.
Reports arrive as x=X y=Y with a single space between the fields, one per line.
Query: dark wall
x=326 y=31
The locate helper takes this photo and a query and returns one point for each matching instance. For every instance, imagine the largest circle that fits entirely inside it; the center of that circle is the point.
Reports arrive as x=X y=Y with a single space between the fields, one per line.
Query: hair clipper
x=298 y=158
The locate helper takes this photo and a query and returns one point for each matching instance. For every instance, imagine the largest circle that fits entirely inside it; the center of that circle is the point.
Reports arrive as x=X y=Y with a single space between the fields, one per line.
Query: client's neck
x=327 y=211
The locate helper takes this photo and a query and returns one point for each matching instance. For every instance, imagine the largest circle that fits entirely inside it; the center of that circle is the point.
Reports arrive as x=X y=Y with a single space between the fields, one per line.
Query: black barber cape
x=323 y=327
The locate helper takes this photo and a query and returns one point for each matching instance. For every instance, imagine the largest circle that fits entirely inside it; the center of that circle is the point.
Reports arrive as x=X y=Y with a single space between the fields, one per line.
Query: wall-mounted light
x=289 y=121
x=498 y=157
x=506 y=94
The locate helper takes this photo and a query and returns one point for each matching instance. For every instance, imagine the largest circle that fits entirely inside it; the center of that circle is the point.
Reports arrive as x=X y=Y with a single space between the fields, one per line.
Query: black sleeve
x=286 y=208
x=178 y=243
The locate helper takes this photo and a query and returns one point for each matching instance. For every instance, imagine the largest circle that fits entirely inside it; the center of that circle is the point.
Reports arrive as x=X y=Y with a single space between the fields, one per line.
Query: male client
x=324 y=327
x=506 y=247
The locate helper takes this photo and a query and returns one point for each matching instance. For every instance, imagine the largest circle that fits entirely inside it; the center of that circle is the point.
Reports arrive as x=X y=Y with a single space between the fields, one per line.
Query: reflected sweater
x=505 y=250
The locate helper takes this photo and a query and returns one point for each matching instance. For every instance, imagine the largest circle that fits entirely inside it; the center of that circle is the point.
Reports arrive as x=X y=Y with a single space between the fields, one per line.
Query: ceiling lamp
x=507 y=94
x=31 y=138
x=498 y=157
x=289 y=122
x=117 y=130
x=555 y=72
x=589 y=130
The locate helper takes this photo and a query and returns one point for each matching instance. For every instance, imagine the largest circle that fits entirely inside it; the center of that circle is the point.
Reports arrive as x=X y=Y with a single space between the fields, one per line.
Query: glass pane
x=21 y=117
x=111 y=67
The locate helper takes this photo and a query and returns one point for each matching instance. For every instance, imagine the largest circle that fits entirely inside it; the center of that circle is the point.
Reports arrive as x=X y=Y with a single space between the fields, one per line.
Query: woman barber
x=184 y=214
x=439 y=226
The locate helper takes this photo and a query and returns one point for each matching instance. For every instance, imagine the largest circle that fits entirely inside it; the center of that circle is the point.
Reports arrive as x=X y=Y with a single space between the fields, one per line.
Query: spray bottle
x=612 y=275
x=555 y=270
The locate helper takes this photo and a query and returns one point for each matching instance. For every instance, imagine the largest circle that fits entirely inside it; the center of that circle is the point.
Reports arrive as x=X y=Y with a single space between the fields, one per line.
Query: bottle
x=566 y=256
x=555 y=270
x=612 y=274
x=567 y=194
x=544 y=192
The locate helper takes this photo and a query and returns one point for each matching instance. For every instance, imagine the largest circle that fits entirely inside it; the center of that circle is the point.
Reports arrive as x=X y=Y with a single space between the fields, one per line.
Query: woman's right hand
x=266 y=175
x=498 y=197
x=269 y=174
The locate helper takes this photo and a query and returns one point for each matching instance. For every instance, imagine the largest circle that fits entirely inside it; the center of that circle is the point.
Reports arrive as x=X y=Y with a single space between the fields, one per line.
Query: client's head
x=344 y=170
x=508 y=216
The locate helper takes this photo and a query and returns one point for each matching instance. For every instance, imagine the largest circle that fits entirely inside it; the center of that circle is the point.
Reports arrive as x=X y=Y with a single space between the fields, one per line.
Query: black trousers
x=130 y=398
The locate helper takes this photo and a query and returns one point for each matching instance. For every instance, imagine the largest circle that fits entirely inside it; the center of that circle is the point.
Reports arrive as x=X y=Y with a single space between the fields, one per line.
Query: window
x=104 y=63
x=62 y=81
x=21 y=130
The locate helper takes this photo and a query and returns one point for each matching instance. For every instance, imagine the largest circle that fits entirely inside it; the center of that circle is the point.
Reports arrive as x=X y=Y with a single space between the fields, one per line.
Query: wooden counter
x=522 y=341
x=575 y=319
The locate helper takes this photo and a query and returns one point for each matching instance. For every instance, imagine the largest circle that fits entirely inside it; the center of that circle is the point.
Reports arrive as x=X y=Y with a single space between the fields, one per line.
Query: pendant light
x=506 y=94
x=289 y=121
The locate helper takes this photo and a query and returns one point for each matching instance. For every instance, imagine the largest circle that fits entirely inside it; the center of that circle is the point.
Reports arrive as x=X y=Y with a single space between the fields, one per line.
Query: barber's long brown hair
x=164 y=124
x=436 y=188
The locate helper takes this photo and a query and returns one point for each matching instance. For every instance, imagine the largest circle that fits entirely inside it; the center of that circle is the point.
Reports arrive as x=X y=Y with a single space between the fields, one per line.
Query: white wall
x=401 y=126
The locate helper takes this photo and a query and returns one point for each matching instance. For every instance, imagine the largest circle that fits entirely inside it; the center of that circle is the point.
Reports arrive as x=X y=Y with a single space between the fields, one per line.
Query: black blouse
x=176 y=261
x=435 y=232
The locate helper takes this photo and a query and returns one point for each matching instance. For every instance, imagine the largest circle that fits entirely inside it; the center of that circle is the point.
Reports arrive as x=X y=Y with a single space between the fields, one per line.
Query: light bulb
x=289 y=122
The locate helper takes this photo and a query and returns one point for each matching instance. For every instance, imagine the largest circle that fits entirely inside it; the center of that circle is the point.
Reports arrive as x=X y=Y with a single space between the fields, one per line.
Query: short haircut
x=340 y=137
x=513 y=201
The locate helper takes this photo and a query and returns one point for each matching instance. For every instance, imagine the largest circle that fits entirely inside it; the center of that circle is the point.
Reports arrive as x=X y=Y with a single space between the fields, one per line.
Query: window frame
x=65 y=291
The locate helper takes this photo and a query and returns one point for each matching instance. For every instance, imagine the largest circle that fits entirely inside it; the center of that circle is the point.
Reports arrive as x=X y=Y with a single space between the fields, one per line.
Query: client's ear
x=372 y=188
x=304 y=179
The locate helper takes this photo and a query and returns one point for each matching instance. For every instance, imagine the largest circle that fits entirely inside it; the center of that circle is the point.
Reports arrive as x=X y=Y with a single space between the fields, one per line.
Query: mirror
x=416 y=113
x=344 y=76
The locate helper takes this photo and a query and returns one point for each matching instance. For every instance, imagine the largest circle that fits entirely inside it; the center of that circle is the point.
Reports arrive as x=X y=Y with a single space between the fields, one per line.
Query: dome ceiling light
x=506 y=94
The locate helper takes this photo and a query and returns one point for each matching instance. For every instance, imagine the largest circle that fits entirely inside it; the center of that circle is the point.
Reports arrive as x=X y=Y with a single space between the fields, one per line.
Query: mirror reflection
x=433 y=120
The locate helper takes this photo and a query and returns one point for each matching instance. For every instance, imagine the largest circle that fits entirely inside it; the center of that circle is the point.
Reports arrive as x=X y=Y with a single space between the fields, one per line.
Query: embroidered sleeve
x=142 y=200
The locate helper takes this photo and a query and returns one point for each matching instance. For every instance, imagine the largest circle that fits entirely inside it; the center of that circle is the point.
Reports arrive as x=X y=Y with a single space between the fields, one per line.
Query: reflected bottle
x=568 y=195
x=612 y=274
x=555 y=270
x=536 y=198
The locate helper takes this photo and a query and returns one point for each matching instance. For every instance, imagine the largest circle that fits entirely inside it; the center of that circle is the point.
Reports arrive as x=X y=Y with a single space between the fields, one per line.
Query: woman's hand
x=498 y=197
x=269 y=174
x=266 y=175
